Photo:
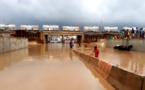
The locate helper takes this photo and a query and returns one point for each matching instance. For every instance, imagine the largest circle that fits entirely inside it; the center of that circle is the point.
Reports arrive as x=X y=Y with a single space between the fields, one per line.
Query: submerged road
x=47 y=67
x=131 y=61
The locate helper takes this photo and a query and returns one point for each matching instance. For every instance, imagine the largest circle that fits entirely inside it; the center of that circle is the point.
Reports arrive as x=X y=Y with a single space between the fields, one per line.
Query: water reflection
x=7 y=59
x=71 y=55
x=47 y=67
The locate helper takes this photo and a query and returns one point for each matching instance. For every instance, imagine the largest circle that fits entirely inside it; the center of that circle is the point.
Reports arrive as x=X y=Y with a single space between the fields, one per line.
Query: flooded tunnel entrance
x=47 y=67
x=79 y=38
x=62 y=38
x=46 y=38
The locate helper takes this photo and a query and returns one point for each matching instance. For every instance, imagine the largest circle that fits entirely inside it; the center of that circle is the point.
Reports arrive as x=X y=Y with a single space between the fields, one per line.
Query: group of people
x=134 y=33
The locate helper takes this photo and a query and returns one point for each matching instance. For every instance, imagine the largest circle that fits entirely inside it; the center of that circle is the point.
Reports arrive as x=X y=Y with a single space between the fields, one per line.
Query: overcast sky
x=74 y=12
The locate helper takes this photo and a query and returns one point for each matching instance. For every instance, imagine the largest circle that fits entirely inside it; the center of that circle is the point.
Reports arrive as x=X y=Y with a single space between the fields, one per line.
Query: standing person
x=122 y=33
x=71 y=43
x=133 y=32
x=125 y=33
x=144 y=34
x=128 y=34
x=137 y=32
x=140 y=32
x=96 y=51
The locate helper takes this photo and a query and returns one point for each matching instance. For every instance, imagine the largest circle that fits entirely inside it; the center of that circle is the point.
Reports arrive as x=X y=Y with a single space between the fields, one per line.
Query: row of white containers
x=69 y=28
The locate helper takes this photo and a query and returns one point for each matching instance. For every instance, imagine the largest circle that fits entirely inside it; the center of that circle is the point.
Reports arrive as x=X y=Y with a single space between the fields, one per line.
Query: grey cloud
x=81 y=12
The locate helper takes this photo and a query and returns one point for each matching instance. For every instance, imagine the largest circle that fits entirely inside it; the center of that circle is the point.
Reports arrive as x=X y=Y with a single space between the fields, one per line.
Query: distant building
x=71 y=28
x=91 y=29
x=29 y=27
x=8 y=27
x=50 y=27
x=111 y=29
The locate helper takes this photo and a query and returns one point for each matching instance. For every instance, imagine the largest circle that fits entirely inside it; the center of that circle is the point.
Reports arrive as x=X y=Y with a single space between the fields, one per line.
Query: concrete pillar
x=82 y=39
x=44 y=41
x=45 y=37
x=63 y=40
x=41 y=38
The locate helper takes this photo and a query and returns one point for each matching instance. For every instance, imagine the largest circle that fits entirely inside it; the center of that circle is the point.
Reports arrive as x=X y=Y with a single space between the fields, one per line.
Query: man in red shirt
x=96 y=51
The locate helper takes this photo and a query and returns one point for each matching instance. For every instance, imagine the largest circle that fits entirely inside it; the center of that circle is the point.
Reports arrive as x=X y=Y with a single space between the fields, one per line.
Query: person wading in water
x=96 y=51
x=71 y=43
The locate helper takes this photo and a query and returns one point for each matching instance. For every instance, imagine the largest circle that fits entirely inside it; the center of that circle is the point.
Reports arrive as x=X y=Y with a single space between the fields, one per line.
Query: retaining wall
x=101 y=67
x=138 y=44
x=124 y=80
x=10 y=44
x=120 y=79
x=4 y=35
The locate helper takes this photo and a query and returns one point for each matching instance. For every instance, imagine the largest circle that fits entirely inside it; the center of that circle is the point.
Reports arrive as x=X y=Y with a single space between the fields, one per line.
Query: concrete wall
x=138 y=44
x=124 y=80
x=101 y=67
x=120 y=79
x=10 y=44
x=4 y=35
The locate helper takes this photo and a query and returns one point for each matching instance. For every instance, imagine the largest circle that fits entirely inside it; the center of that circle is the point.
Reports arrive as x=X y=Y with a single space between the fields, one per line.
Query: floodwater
x=131 y=61
x=47 y=67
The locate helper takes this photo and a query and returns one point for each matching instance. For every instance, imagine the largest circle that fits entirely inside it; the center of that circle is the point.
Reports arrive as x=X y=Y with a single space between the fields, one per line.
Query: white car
x=56 y=41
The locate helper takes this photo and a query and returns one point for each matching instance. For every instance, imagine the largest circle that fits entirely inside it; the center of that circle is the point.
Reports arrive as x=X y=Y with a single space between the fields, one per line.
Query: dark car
x=122 y=47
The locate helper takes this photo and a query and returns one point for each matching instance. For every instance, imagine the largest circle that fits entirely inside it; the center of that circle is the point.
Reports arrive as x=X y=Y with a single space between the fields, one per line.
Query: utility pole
x=101 y=24
x=2 y=20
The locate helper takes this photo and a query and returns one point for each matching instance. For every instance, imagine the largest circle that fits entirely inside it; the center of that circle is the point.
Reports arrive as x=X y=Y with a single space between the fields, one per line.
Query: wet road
x=132 y=61
x=47 y=67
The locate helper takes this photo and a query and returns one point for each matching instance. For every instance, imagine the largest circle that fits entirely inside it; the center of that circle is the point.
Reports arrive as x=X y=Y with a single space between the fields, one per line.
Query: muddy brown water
x=132 y=61
x=47 y=67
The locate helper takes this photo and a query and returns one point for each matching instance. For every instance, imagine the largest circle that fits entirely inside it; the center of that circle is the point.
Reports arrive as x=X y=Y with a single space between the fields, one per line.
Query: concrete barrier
x=10 y=44
x=104 y=69
x=124 y=80
x=118 y=78
x=78 y=53
x=101 y=67
x=93 y=61
x=84 y=56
